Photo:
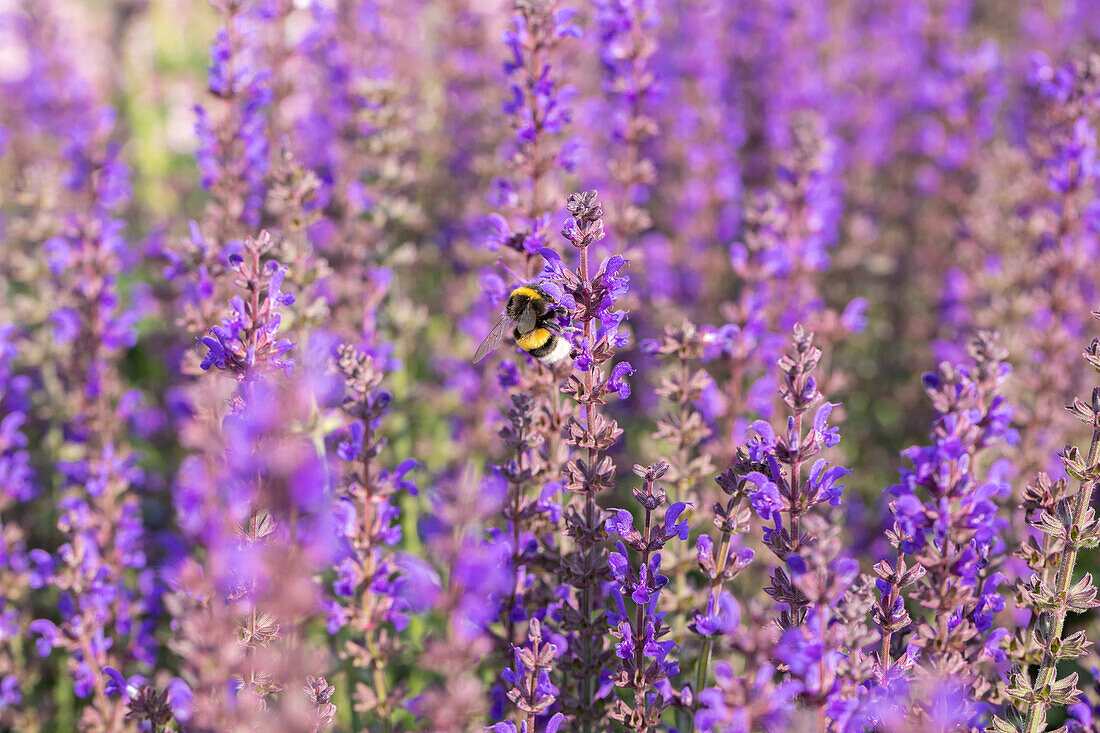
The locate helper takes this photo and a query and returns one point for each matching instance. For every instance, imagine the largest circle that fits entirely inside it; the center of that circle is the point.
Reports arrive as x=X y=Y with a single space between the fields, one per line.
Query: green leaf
x=1064 y=691
x=1073 y=646
x=1000 y=725
x=1082 y=596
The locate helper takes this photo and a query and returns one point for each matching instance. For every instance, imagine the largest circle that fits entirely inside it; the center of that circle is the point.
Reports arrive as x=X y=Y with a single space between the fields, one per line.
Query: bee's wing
x=492 y=341
x=528 y=320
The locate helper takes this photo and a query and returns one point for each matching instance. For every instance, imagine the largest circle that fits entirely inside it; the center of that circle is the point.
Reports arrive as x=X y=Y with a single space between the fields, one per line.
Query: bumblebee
x=530 y=316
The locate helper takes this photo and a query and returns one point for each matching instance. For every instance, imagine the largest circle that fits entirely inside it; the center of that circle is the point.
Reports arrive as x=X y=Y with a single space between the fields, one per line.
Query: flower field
x=546 y=366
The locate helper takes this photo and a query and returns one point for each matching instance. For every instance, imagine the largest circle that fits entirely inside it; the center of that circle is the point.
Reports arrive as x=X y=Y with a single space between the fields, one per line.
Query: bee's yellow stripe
x=533 y=340
x=529 y=292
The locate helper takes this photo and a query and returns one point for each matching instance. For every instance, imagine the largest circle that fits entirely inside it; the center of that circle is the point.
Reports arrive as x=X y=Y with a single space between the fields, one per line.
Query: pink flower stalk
x=539 y=112
x=626 y=32
x=368 y=597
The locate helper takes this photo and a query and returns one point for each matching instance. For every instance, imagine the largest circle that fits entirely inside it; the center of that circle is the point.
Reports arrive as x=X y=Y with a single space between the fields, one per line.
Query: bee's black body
x=525 y=298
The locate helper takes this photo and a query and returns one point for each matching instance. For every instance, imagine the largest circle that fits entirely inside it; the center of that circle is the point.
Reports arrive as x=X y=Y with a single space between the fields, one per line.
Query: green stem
x=822 y=719
x=1037 y=713
x=887 y=637
x=351 y=678
x=683 y=481
x=379 y=677
x=588 y=696
x=587 y=693
x=796 y=478
x=715 y=588
x=640 y=687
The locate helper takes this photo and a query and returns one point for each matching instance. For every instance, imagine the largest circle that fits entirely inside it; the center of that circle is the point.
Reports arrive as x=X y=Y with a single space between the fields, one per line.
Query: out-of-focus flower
x=946 y=520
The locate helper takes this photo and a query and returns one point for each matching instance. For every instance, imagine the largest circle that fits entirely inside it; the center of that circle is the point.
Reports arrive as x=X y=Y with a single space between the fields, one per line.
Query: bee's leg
x=559 y=329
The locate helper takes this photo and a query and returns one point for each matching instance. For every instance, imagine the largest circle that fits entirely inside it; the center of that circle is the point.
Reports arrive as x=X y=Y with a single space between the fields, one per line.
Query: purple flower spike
x=621 y=523
x=639 y=634
x=945 y=526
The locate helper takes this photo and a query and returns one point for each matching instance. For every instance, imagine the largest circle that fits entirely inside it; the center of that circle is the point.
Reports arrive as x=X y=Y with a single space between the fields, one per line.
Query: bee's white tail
x=561 y=350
